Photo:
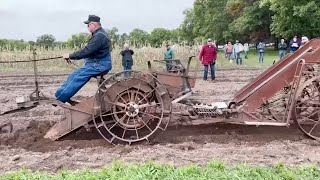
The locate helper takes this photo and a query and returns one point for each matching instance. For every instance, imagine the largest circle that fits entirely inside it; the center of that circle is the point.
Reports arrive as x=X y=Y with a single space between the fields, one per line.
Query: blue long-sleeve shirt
x=97 y=48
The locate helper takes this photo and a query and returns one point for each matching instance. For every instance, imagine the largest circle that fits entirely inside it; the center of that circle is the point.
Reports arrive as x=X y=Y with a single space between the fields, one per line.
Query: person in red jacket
x=208 y=56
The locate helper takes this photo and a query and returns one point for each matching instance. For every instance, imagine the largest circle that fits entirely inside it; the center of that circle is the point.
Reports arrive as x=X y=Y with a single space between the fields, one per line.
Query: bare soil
x=178 y=145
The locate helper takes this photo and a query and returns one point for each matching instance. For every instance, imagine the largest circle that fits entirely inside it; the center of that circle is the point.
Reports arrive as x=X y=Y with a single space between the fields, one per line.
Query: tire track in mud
x=31 y=137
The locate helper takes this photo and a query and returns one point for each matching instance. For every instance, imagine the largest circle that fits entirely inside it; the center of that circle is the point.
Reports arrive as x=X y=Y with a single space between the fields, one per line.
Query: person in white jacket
x=237 y=50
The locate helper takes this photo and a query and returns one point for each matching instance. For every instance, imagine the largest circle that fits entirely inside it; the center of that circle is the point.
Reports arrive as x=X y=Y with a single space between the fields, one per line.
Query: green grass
x=214 y=170
x=250 y=63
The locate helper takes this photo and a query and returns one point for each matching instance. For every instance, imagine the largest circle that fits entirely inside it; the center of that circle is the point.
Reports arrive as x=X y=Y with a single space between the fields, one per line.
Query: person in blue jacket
x=96 y=55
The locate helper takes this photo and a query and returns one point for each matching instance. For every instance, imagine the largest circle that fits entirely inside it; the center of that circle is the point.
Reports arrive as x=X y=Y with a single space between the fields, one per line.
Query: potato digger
x=129 y=109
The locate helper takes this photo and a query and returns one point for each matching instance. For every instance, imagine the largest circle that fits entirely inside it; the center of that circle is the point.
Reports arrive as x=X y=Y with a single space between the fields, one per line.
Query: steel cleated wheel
x=131 y=108
x=306 y=108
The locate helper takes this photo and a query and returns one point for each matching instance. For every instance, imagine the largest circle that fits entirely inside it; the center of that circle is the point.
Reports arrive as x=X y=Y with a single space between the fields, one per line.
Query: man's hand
x=66 y=57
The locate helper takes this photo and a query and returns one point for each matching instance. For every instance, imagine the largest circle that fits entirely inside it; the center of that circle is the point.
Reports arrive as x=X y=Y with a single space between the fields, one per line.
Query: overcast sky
x=29 y=19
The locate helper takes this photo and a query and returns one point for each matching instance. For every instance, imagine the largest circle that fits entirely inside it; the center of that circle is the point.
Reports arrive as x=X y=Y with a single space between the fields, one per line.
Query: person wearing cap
x=127 y=60
x=168 y=56
x=208 y=56
x=96 y=55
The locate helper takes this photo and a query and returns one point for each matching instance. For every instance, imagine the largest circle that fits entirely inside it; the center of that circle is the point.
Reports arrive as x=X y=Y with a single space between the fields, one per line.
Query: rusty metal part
x=276 y=77
x=204 y=111
x=176 y=82
x=306 y=108
x=74 y=118
x=132 y=109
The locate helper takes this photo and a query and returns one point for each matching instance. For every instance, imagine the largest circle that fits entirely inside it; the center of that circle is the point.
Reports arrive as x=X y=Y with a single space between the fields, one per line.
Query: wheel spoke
x=119 y=96
x=128 y=92
x=135 y=127
x=137 y=92
x=145 y=97
x=121 y=120
x=145 y=123
x=310 y=115
x=117 y=104
x=124 y=132
x=132 y=96
x=114 y=125
x=120 y=104
x=125 y=129
x=104 y=115
x=314 y=126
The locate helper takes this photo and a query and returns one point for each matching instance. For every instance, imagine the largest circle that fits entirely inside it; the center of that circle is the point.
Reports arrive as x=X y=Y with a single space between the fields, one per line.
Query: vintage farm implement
x=130 y=109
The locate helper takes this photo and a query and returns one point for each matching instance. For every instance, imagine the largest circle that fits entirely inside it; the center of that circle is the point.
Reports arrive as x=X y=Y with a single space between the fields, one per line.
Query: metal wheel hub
x=132 y=109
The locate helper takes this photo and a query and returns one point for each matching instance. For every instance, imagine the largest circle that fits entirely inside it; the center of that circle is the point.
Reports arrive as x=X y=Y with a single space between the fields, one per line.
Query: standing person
x=96 y=55
x=294 y=44
x=246 y=50
x=127 y=60
x=260 y=48
x=168 y=56
x=304 y=40
x=208 y=56
x=225 y=51
x=282 y=46
x=237 y=50
x=229 y=50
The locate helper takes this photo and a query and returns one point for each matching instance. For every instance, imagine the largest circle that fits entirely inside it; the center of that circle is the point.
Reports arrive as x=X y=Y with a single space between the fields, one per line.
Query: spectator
x=282 y=46
x=237 y=50
x=127 y=60
x=246 y=50
x=294 y=45
x=229 y=50
x=260 y=48
x=168 y=56
x=208 y=56
x=304 y=40
x=225 y=51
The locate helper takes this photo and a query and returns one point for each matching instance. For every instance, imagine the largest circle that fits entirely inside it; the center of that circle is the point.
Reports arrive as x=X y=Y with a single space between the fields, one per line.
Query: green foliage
x=150 y=171
x=158 y=36
x=46 y=40
x=226 y=20
x=12 y=45
x=251 y=20
x=78 y=40
x=114 y=36
x=138 y=37
x=124 y=38
x=295 y=18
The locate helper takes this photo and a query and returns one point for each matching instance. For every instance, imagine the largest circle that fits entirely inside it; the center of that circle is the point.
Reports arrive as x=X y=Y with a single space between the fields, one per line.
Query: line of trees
x=223 y=20
x=251 y=20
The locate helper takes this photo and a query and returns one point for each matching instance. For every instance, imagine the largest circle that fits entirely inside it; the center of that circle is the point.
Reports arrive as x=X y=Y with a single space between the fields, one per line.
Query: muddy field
x=178 y=145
